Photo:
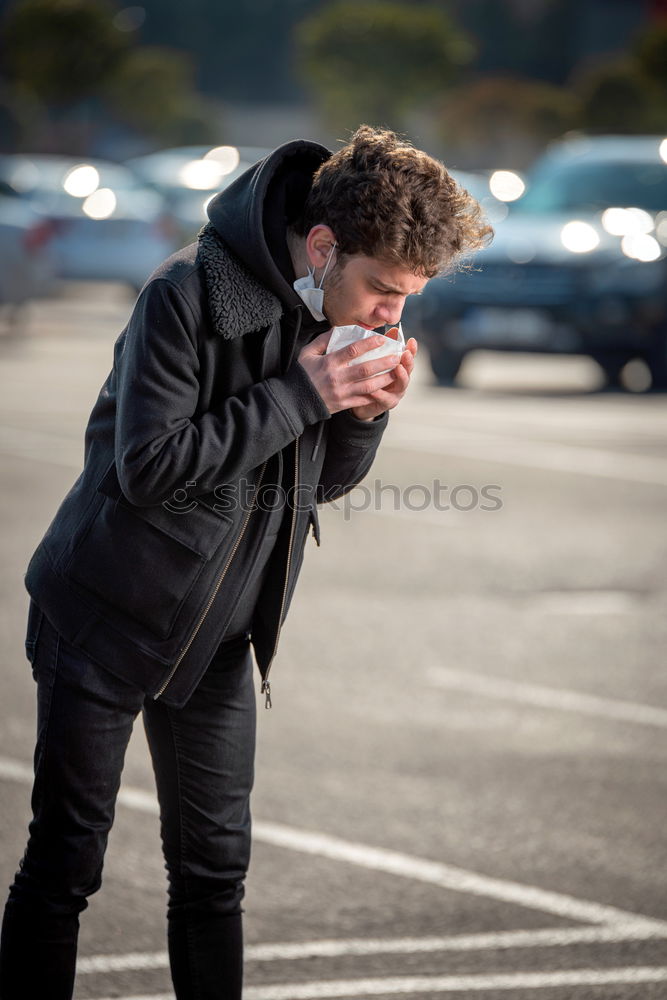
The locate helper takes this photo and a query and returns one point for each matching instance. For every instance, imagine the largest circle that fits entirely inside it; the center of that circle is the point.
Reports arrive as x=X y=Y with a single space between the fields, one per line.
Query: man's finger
x=320 y=343
x=359 y=347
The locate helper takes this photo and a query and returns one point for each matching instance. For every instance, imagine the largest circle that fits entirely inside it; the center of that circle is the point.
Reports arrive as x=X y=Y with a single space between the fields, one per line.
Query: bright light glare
x=626 y=221
x=81 y=181
x=201 y=175
x=227 y=157
x=616 y=221
x=643 y=221
x=641 y=247
x=663 y=150
x=579 y=237
x=505 y=185
x=661 y=227
x=100 y=204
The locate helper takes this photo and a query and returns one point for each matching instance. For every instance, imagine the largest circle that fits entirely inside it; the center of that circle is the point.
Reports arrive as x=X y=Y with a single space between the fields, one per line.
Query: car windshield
x=594 y=186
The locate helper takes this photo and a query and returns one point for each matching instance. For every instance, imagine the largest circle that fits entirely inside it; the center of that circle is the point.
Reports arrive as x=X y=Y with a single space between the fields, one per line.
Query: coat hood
x=252 y=214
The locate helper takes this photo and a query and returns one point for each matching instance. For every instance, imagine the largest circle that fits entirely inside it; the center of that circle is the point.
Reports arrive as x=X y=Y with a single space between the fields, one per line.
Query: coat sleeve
x=161 y=442
x=350 y=452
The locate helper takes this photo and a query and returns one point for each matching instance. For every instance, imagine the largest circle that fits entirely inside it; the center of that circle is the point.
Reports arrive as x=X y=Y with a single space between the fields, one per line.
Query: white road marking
x=131 y=961
x=505 y=449
x=550 y=455
x=447 y=876
x=546 y=697
x=498 y=941
x=517 y=418
x=419 y=985
x=16 y=770
x=440 y=519
x=403 y=865
x=585 y=602
x=414 y=985
x=290 y=951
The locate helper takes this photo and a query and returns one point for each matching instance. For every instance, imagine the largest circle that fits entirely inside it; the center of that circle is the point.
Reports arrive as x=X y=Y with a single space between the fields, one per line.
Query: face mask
x=310 y=294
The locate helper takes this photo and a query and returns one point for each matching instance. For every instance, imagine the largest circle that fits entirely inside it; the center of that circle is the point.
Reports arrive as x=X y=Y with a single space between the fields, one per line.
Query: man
x=167 y=559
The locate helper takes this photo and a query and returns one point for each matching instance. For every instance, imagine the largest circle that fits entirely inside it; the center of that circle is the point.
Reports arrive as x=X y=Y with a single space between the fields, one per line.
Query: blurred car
x=418 y=317
x=187 y=177
x=27 y=264
x=577 y=267
x=106 y=224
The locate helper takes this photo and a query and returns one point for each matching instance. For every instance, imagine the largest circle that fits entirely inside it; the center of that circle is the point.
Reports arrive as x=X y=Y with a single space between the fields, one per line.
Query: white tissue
x=341 y=336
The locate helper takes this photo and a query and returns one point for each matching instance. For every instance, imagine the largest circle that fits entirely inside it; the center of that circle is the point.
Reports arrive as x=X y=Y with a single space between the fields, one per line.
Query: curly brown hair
x=386 y=199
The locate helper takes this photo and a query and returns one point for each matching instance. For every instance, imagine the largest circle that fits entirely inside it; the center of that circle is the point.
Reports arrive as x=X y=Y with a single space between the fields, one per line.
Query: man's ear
x=319 y=242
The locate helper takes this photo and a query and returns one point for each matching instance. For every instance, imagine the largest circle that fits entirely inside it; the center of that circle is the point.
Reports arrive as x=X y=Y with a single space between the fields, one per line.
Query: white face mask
x=311 y=294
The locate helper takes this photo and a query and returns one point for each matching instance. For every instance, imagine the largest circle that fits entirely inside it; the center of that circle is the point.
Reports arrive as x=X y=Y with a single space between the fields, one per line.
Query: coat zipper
x=213 y=596
x=266 y=686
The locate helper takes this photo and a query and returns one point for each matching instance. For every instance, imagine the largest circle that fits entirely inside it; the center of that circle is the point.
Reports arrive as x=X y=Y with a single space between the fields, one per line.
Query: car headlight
x=579 y=237
x=641 y=246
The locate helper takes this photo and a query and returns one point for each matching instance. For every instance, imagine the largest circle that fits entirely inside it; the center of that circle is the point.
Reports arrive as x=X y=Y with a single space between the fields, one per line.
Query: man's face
x=368 y=292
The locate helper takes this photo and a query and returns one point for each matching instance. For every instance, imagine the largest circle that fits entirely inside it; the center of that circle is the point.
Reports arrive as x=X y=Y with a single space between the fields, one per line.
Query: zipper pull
x=266 y=690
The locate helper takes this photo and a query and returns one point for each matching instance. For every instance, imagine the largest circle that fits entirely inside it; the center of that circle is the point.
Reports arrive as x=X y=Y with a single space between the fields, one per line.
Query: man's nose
x=391 y=312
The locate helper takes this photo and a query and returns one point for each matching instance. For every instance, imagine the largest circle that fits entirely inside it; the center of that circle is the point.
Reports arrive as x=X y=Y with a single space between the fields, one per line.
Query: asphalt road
x=461 y=785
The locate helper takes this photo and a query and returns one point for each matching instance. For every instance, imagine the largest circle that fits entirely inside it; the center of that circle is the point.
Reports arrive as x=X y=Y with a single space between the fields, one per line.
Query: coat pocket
x=33 y=627
x=145 y=561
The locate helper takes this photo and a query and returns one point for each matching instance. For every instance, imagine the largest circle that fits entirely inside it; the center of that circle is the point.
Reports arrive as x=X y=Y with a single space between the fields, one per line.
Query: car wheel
x=445 y=364
x=656 y=359
x=612 y=365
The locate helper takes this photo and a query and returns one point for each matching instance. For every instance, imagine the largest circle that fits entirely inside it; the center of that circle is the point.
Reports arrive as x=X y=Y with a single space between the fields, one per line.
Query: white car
x=106 y=224
x=187 y=177
x=27 y=264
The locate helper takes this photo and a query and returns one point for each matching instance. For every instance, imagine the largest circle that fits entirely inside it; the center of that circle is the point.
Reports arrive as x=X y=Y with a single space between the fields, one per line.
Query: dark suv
x=577 y=267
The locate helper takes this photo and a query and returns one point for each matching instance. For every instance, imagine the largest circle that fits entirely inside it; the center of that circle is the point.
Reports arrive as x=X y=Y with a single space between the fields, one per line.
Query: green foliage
x=651 y=55
x=619 y=98
x=62 y=50
x=628 y=95
x=153 y=91
x=505 y=118
x=375 y=61
x=80 y=72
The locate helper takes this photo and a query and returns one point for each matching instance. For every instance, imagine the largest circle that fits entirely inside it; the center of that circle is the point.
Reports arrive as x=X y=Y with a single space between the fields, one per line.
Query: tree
x=498 y=119
x=617 y=97
x=375 y=61
x=62 y=51
x=651 y=54
x=628 y=95
x=153 y=92
x=71 y=72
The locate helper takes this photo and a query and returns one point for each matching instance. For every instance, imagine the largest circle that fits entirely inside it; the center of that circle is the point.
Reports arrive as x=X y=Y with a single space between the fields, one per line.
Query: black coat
x=202 y=406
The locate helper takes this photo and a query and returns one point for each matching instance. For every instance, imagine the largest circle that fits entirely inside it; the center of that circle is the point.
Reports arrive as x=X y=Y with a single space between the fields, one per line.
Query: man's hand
x=357 y=387
x=390 y=396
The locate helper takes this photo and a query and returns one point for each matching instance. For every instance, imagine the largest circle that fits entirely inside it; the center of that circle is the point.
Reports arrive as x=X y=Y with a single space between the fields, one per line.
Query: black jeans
x=203 y=758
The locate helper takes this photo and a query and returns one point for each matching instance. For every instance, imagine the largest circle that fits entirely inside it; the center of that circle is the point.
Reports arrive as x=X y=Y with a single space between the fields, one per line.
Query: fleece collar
x=238 y=303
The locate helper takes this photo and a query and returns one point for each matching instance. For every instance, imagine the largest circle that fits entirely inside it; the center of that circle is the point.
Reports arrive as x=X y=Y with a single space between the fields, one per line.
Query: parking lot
x=461 y=784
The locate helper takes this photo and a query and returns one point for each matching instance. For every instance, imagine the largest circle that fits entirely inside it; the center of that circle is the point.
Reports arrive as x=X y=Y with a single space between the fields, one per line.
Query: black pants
x=203 y=758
